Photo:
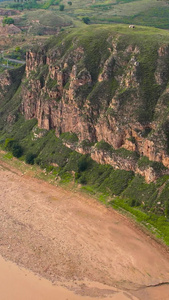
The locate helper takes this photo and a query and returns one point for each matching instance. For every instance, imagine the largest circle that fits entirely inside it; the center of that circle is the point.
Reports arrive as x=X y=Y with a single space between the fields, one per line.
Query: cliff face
x=6 y=82
x=103 y=86
x=10 y=98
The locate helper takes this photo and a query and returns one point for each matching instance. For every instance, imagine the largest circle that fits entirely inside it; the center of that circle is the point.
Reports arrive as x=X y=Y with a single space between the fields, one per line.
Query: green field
x=142 y=12
x=43 y=18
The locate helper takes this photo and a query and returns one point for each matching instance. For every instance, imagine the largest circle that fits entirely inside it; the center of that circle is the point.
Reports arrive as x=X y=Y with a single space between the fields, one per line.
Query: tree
x=70 y=3
x=61 y=7
x=86 y=20
x=83 y=163
x=17 y=150
x=14 y=147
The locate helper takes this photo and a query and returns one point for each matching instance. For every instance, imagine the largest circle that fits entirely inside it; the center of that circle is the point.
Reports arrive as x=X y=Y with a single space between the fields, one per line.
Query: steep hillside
x=101 y=92
x=103 y=84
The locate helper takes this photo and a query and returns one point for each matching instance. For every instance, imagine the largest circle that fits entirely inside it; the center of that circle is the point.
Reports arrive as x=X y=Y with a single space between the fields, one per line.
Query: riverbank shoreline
x=18 y=283
x=68 y=237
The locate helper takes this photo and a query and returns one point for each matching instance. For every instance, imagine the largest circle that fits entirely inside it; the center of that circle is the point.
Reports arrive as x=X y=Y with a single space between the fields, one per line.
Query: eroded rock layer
x=103 y=85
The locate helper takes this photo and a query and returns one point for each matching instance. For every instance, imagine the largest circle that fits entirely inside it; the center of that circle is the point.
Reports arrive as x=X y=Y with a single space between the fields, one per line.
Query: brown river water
x=18 y=283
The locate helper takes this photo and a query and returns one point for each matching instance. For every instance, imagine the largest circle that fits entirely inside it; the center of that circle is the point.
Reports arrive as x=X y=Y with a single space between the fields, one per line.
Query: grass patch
x=158 y=225
x=144 y=162
x=121 y=152
x=69 y=137
x=140 y=193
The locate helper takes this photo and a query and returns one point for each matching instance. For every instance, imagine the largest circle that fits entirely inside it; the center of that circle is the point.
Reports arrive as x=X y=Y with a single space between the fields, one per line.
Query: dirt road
x=71 y=239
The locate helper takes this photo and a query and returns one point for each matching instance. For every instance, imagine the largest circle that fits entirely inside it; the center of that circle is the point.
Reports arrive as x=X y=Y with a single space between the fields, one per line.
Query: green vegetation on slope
x=140 y=199
x=95 y=42
x=147 y=202
x=139 y=12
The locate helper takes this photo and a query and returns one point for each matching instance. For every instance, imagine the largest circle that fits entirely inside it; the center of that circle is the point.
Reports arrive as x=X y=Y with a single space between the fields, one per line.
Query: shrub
x=140 y=191
x=116 y=182
x=132 y=139
x=83 y=179
x=86 y=20
x=86 y=144
x=77 y=175
x=8 y=144
x=8 y=20
x=102 y=145
x=167 y=208
x=17 y=49
x=133 y=202
x=61 y=7
x=82 y=164
x=70 y=137
x=17 y=150
x=30 y=158
x=38 y=161
x=144 y=162
x=14 y=147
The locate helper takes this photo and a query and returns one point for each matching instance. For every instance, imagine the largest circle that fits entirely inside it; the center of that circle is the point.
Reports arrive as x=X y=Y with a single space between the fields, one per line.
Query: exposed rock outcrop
x=118 y=95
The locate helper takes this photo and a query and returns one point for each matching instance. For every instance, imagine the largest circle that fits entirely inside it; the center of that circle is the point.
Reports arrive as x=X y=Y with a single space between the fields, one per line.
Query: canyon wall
x=103 y=88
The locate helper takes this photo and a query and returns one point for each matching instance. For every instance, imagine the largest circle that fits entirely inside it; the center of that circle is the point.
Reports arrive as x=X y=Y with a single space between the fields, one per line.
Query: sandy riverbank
x=74 y=241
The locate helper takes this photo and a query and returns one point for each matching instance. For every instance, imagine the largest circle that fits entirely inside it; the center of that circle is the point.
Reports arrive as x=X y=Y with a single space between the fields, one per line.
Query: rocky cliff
x=104 y=84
